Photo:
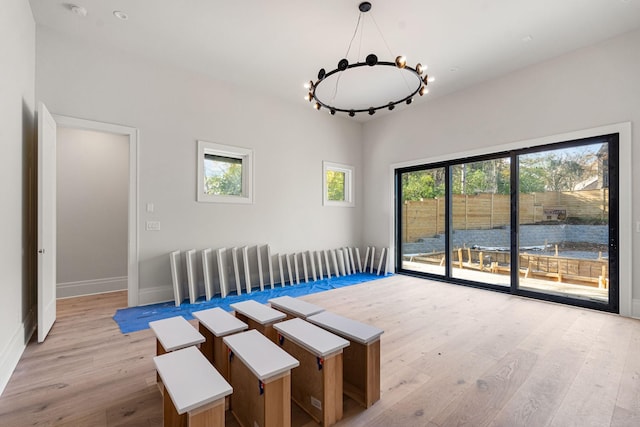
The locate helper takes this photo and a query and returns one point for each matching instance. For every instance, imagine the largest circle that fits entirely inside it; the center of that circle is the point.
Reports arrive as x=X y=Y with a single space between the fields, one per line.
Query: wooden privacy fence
x=426 y=218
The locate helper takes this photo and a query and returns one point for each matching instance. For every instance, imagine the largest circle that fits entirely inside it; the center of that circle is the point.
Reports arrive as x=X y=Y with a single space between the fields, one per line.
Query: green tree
x=228 y=183
x=564 y=172
x=504 y=180
x=558 y=170
x=489 y=176
x=476 y=182
x=533 y=176
x=335 y=185
x=421 y=185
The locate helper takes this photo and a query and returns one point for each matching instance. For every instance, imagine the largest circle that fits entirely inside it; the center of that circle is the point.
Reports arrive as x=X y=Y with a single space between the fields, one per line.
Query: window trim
x=349 y=172
x=246 y=157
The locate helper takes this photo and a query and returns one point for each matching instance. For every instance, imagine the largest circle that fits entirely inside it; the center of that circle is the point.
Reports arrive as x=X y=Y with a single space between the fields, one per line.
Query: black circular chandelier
x=394 y=82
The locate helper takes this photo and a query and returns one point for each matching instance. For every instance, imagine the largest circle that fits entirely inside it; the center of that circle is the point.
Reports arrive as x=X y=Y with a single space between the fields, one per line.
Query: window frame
x=614 y=136
x=349 y=172
x=245 y=155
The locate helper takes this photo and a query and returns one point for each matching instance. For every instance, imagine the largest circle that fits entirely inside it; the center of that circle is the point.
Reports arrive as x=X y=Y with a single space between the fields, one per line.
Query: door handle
x=40 y=251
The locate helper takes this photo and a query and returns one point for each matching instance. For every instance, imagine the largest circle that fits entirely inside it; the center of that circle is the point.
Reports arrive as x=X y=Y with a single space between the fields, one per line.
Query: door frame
x=627 y=306
x=133 y=135
x=46 y=222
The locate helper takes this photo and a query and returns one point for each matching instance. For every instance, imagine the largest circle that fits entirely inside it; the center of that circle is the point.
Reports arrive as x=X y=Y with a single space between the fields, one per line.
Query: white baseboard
x=148 y=296
x=635 y=309
x=91 y=287
x=10 y=355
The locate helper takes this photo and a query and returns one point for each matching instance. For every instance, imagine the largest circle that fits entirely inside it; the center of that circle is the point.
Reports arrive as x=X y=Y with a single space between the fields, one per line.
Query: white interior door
x=46 y=221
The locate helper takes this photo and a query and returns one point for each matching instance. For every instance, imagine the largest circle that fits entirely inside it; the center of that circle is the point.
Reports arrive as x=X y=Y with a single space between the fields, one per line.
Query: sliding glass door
x=564 y=217
x=481 y=207
x=538 y=222
x=422 y=237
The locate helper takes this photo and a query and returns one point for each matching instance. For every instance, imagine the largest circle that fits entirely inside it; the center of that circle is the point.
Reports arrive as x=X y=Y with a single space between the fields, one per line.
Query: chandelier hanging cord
x=389 y=49
x=370 y=61
x=355 y=32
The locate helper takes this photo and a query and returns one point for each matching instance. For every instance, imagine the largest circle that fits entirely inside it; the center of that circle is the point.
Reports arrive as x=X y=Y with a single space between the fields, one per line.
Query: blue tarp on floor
x=137 y=318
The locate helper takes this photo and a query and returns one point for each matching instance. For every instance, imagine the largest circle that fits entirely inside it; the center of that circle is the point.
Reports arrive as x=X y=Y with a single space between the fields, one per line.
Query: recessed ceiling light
x=78 y=10
x=120 y=15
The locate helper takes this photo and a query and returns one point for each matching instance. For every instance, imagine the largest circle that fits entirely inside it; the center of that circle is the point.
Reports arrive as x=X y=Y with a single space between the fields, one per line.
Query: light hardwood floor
x=450 y=356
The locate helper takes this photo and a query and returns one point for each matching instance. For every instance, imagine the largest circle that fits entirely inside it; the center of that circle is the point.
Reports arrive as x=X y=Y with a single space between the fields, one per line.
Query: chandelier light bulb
x=419 y=69
x=316 y=106
x=423 y=91
x=401 y=61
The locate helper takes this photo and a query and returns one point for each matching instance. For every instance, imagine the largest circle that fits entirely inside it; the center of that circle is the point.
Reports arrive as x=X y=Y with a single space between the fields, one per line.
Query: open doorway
x=92 y=183
x=96 y=208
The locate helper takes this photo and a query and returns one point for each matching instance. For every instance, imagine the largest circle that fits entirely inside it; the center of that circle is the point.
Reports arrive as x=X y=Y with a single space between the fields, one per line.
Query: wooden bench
x=260 y=373
x=316 y=386
x=294 y=307
x=174 y=333
x=259 y=317
x=361 y=360
x=214 y=324
x=195 y=390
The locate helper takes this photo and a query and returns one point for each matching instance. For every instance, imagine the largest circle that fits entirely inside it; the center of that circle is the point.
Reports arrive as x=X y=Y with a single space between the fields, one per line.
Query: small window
x=225 y=173
x=337 y=183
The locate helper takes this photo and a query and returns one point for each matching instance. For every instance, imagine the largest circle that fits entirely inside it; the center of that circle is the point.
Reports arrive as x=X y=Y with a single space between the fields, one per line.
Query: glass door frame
x=613 y=303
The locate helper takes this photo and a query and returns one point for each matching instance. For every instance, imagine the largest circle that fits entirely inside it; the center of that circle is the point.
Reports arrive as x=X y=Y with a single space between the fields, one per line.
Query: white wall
x=172 y=109
x=585 y=89
x=92 y=211
x=17 y=121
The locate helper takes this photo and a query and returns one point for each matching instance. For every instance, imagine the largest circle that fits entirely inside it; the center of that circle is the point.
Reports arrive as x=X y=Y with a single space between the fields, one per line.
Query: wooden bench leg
x=269 y=408
x=361 y=372
x=266 y=330
x=159 y=352
x=318 y=391
x=206 y=348
x=209 y=416
x=171 y=416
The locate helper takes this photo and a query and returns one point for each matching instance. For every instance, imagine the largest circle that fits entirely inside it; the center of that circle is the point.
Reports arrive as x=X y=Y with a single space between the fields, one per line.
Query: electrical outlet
x=153 y=225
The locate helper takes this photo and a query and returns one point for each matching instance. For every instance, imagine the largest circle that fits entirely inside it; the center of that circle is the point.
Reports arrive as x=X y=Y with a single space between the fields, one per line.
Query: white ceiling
x=275 y=46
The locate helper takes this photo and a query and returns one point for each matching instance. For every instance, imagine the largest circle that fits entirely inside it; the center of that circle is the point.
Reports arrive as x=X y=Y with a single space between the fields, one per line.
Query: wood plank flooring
x=450 y=356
